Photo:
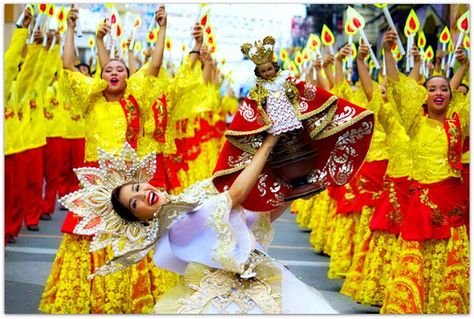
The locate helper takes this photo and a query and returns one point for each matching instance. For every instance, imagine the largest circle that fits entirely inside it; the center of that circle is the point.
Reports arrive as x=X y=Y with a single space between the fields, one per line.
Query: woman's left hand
x=160 y=16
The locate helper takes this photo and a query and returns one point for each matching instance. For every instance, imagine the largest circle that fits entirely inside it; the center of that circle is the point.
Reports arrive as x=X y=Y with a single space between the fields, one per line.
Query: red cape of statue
x=339 y=130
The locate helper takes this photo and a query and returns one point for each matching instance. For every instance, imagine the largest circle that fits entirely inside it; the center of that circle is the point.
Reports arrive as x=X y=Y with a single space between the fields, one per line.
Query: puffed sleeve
x=460 y=104
x=49 y=67
x=408 y=97
x=79 y=88
x=13 y=57
x=26 y=75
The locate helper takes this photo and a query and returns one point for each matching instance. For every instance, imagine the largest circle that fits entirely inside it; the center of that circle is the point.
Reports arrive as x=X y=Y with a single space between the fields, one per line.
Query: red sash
x=160 y=114
x=132 y=115
x=452 y=127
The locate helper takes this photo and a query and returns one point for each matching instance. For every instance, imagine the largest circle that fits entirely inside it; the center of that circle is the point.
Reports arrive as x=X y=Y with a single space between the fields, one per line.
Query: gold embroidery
x=263 y=230
x=437 y=219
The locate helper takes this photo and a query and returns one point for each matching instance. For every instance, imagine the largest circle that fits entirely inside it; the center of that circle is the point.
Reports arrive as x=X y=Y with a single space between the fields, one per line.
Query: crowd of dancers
x=398 y=232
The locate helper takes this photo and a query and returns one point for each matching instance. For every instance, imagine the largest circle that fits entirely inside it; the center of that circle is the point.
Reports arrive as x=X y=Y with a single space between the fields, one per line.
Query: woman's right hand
x=103 y=30
x=72 y=17
x=271 y=140
x=344 y=52
x=38 y=37
x=363 y=51
x=415 y=53
x=328 y=61
x=389 y=40
x=28 y=18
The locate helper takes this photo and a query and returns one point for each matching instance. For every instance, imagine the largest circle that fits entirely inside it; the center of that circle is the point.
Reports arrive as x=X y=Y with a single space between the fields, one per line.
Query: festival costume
x=371 y=185
x=54 y=115
x=335 y=128
x=431 y=271
x=108 y=124
x=33 y=81
x=13 y=142
x=219 y=249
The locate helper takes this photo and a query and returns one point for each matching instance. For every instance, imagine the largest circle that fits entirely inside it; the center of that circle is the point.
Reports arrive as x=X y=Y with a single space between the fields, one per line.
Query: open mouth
x=153 y=198
x=114 y=81
x=438 y=101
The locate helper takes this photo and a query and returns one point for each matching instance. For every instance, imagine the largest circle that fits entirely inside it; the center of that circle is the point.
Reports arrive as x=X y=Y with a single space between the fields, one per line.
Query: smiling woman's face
x=115 y=73
x=439 y=95
x=142 y=199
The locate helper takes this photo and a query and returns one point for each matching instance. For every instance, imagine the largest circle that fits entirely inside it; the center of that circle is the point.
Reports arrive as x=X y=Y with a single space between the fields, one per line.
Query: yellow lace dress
x=350 y=229
x=430 y=275
x=135 y=290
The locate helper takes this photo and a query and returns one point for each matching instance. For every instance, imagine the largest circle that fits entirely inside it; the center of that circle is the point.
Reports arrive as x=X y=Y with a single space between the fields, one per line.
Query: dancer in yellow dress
x=430 y=273
x=111 y=108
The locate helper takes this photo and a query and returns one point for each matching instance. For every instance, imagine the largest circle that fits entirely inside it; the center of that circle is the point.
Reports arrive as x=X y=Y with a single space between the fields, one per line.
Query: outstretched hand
x=160 y=16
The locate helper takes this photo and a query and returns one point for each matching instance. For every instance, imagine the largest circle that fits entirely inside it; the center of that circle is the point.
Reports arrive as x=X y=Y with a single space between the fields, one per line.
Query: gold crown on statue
x=261 y=52
x=129 y=240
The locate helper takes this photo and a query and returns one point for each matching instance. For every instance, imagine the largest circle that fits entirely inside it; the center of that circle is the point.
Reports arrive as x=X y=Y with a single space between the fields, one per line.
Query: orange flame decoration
x=348 y=29
x=451 y=46
x=398 y=56
x=61 y=16
x=42 y=7
x=62 y=28
x=463 y=22
x=421 y=39
x=283 y=54
x=208 y=30
x=124 y=45
x=298 y=58
x=371 y=64
x=204 y=18
x=51 y=10
x=210 y=40
x=91 y=41
x=327 y=36
x=406 y=30
x=306 y=55
x=114 y=16
x=119 y=31
x=354 y=50
x=466 y=43
x=137 y=23
x=412 y=23
x=168 y=44
x=445 y=36
x=292 y=67
x=355 y=19
x=151 y=36
x=429 y=55
x=314 y=42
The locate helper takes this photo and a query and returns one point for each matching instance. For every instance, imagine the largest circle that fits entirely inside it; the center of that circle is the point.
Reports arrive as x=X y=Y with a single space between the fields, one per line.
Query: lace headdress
x=130 y=241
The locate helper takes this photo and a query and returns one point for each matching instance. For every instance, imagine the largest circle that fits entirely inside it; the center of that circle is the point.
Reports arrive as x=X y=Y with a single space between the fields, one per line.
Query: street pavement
x=27 y=264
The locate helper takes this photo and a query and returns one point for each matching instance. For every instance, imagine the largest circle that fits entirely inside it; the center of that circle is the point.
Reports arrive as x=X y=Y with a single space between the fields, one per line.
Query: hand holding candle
x=463 y=26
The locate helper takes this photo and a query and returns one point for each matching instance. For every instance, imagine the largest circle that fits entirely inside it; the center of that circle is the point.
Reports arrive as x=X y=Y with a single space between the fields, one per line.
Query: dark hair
x=121 y=210
x=441 y=77
x=464 y=85
x=275 y=64
x=119 y=60
x=86 y=65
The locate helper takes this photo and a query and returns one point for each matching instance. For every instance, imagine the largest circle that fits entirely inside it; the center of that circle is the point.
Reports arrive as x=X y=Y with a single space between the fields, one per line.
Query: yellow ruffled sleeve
x=407 y=97
x=229 y=104
x=79 y=89
x=49 y=67
x=26 y=75
x=12 y=58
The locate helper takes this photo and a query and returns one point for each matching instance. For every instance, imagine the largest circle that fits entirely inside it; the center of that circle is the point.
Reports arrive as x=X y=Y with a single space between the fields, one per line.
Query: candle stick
x=37 y=24
x=412 y=42
x=443 y=47
x=350 y=61
x=53 y=43
x=392 y=26
x=458 y=44
x=19 y=22
x=78 y=23
x=384 y=71
x=372 y=55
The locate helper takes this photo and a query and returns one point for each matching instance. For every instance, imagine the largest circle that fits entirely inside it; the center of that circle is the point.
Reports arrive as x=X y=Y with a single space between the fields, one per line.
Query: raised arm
x=132 y=64
x=207 y=67
x=102 y=55
x=69 y=53
x=157 y=55
x=389 y=40
x=415 y=71
x=198 y=39
x=328 y=62
x=463 y=60
x=363 y=70
x=342 y=54
x=440 y=54
x=248 y=177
